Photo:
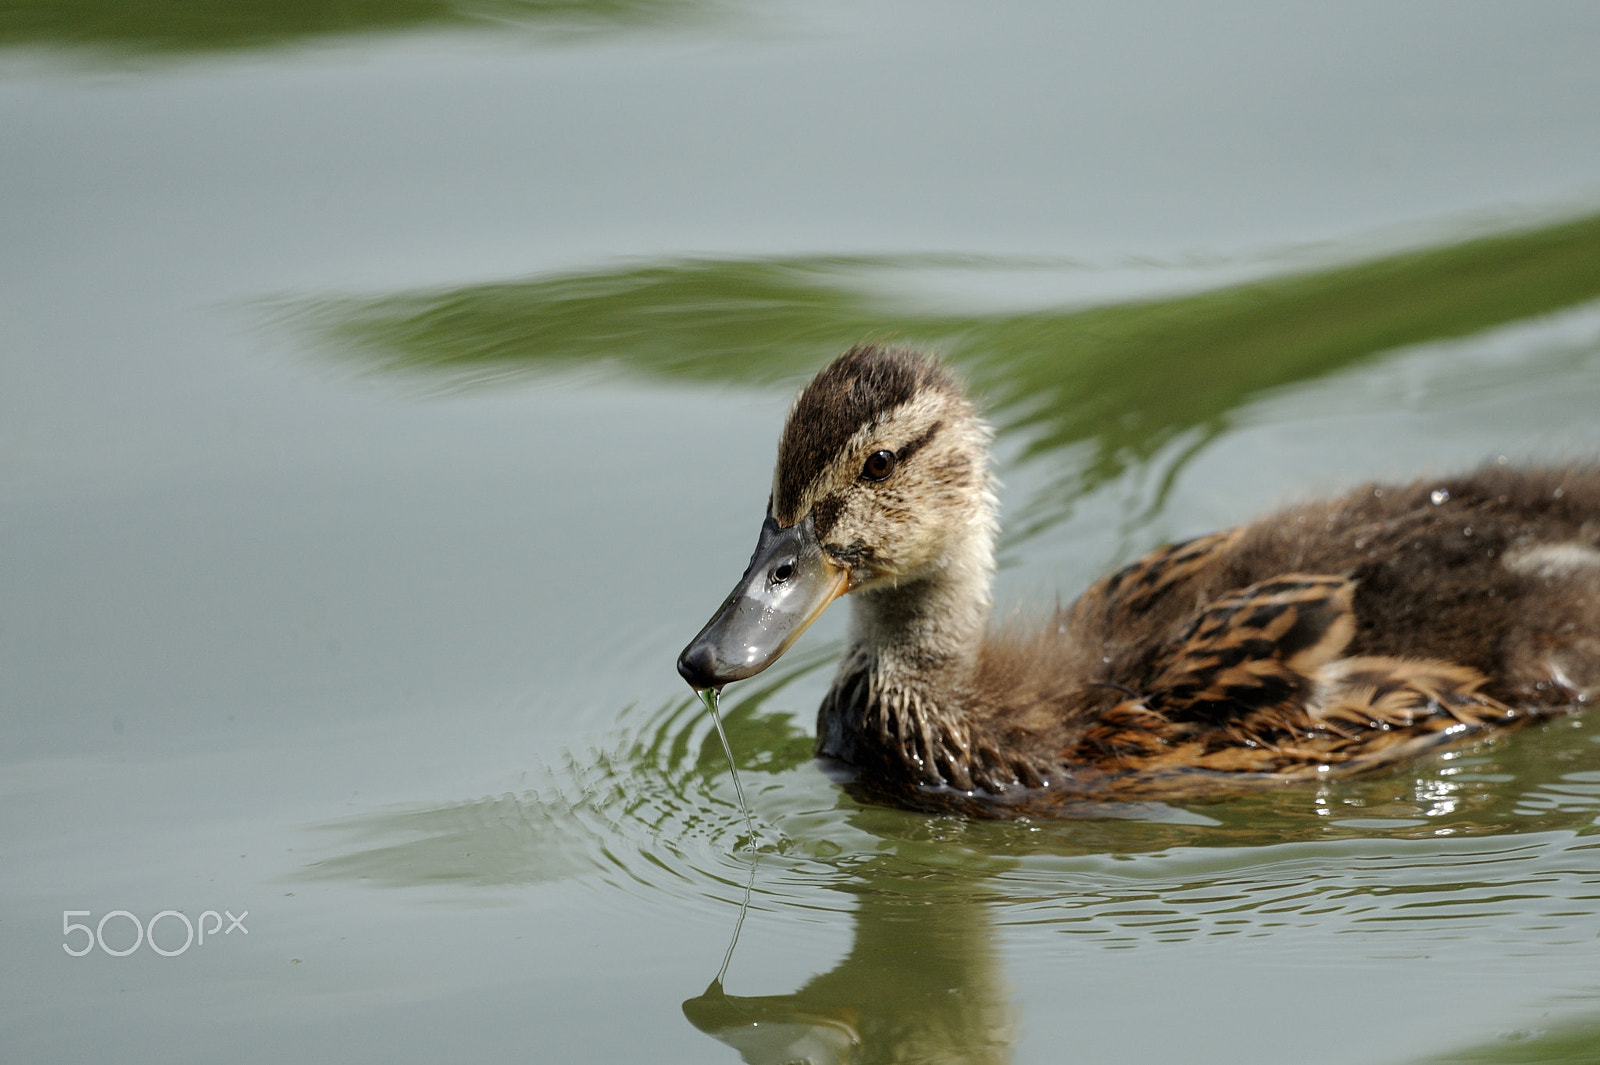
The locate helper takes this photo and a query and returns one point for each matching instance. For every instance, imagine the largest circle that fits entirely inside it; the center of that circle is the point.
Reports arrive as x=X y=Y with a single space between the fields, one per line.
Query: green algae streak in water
x=710 y=697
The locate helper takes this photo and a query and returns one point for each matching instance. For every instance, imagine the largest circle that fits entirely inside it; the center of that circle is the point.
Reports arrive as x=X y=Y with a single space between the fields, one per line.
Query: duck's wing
x=1253 y=648
x=1253 y=652
x=1375 y=692
x=1238 y=672
x=1255 y=682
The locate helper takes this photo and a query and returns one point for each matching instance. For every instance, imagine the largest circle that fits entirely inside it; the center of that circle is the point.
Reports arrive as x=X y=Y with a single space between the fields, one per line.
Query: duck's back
x=1329 y=633
x=1498 y=571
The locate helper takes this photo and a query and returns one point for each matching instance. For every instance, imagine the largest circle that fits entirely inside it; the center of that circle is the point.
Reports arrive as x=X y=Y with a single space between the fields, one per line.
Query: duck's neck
x=922 y=632
x=901 y=692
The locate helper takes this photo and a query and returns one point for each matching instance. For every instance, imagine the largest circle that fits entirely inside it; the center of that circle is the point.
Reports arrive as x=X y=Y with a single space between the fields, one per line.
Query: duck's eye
x=880 y=464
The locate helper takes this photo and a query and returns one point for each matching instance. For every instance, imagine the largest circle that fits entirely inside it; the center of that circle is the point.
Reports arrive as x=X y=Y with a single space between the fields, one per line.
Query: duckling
x=1327 y=639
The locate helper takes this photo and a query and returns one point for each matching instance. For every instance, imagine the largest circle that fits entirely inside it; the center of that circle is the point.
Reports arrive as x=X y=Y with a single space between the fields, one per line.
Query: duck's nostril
x=784 y=571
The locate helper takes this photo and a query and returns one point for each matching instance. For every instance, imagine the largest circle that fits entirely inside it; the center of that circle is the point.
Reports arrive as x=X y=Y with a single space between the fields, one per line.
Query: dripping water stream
x=711 y=697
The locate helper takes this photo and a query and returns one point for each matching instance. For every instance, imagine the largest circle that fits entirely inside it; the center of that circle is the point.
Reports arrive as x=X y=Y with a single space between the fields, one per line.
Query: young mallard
x=1326 y=639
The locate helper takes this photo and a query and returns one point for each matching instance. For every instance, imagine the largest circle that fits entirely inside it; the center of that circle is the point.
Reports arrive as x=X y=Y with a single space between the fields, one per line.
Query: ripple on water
x=652 y=810
x=1497 y=840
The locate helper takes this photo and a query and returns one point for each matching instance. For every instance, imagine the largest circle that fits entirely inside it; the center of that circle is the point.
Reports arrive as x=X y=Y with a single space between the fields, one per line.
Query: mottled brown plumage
x=1326 y=639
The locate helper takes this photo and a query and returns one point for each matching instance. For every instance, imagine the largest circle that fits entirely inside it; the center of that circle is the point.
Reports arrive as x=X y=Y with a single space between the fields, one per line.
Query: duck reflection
x=650 y=812
x=922 y=982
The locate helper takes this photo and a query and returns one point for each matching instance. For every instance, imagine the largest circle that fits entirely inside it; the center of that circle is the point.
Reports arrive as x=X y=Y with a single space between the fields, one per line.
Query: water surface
x=391 y=391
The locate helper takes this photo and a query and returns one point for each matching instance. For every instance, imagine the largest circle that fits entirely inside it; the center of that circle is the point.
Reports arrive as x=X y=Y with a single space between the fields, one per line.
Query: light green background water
x=387 y=392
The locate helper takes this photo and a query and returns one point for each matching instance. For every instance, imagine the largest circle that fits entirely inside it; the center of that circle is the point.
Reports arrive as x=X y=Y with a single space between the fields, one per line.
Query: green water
x=390 y=391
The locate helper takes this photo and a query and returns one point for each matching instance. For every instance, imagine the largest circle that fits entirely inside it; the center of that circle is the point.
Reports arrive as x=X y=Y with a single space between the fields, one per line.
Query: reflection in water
x=172 y=27
x=921 y=982
x=1100 y=377
x=775 y=1029
x=1499 y=843
x=1573 y=1043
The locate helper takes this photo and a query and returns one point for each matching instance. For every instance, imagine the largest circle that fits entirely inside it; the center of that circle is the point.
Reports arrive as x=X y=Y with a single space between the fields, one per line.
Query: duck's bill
x=787 y=586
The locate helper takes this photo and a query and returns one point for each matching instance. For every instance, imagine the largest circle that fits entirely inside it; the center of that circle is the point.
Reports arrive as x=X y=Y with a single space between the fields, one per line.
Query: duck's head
x=882 y=479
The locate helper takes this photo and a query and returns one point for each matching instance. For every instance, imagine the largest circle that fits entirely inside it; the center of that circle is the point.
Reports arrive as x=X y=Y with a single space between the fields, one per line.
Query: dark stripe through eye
x=880 y=464
x=916 y=445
